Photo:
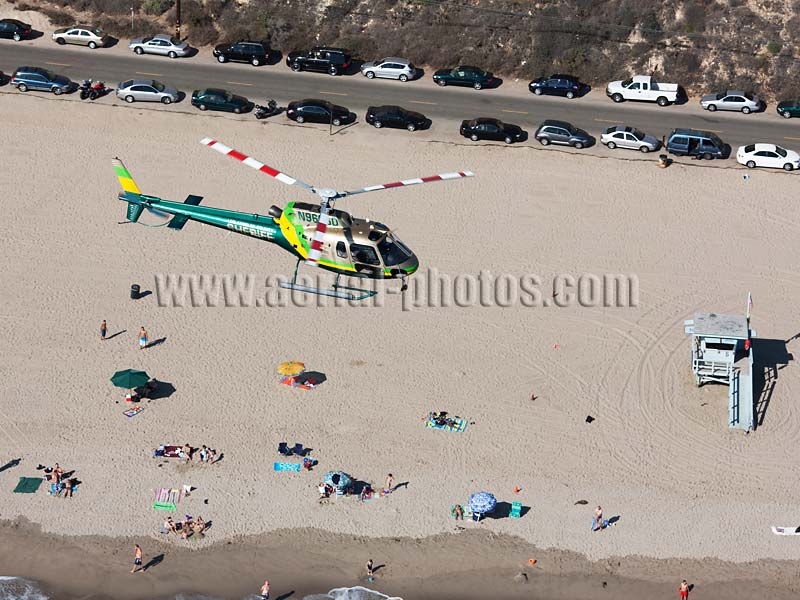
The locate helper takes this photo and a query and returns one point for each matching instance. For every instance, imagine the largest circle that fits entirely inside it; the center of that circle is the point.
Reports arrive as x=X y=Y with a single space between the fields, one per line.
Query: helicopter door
x=365 y=258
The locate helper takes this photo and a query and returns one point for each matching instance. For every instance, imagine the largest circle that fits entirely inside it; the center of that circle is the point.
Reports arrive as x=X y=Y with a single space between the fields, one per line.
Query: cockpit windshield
x=393 y=251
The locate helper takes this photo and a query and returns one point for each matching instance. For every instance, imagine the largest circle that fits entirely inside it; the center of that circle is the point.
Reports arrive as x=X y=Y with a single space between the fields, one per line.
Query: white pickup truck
x=642 y=87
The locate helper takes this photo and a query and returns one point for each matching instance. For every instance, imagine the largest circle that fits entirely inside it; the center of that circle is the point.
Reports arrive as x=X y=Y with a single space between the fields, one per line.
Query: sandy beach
x=658 y=455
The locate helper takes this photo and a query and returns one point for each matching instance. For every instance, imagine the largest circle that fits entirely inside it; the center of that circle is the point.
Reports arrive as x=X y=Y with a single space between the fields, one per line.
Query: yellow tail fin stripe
x=125 y=179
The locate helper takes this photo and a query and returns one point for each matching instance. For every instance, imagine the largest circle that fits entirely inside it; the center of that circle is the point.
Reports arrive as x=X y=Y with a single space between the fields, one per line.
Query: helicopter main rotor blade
x=406 y=182
x=315 y=251
x=254 y=164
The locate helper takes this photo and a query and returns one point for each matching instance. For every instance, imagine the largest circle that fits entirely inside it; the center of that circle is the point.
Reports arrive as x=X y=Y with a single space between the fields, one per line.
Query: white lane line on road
x=146 y=73
x=516 y=112
x=605 y=121
x=58 y=64
x=239 y=83
x=334 y=93
x=791 y=138
x=421 y=102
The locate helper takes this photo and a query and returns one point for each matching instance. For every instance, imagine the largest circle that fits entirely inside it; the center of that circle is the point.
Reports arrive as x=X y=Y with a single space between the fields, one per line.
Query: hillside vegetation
x=701 y=44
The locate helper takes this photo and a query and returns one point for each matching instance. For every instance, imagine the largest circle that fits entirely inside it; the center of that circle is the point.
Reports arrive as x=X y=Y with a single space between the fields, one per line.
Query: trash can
x=135 y=291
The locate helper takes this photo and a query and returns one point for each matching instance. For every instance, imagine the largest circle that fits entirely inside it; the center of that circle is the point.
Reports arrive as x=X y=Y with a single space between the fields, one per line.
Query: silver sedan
x=146 y=90
x=620 y=136
x=731 y=100
x=161 y=44
x=389 y=68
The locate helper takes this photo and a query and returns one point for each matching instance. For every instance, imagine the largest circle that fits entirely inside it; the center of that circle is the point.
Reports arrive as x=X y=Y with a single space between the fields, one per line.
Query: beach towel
x=516 y=510
x=282 y=466
x=131 y=412
x=169 y=452
x=28 y=485
x=166 y=499
x=458 y=425
x=786 y=530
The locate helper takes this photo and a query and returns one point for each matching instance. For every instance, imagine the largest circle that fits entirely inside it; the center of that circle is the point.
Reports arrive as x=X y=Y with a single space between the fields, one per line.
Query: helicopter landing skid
x=334 y=293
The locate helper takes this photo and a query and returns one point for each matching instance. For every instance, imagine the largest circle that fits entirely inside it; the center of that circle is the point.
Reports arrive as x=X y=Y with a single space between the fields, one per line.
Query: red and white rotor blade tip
x=315 y=251
x=406 y=182
x=253 y=163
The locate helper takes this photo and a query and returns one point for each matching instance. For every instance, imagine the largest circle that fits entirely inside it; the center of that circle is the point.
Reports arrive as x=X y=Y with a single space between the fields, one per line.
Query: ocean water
x=16 y=588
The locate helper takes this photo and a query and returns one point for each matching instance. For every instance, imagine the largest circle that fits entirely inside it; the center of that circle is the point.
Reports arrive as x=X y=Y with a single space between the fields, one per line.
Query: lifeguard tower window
x=718 y=346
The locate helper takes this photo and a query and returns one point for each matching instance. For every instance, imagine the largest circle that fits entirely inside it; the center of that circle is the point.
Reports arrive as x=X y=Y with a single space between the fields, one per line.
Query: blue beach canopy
x=482 y=502
x=338 y=479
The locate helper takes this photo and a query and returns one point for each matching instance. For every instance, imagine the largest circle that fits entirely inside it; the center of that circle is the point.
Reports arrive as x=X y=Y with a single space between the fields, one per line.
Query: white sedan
x=768 y=155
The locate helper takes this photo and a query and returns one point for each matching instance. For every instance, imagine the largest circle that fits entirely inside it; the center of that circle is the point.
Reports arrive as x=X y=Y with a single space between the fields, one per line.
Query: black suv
x=325 y=60
x=13 y=29
x=256 y=53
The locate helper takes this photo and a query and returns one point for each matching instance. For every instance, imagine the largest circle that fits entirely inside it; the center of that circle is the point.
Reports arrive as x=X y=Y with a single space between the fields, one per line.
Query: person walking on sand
x=370 y=569
x=598 y=519
x=389 y=484
x=684 y=590
x=137 y=559
x=265 y=590
x=103 y=330
x=142 y=338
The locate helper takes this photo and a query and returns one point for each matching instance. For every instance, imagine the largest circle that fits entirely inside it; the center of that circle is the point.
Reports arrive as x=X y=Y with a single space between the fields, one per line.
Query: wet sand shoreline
x=461 y=565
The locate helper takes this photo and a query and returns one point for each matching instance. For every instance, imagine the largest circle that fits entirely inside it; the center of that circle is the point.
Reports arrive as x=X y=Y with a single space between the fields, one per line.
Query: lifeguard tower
x=722 y=352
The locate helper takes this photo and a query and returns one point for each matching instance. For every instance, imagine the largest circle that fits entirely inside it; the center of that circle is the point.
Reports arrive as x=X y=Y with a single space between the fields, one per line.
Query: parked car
x=492 y=129
x=768 y=155
x=620 y=136
x=325 y=60
x=218 y=99
x=318 y=111
x=38 y=79
x=395 y=116
x=146 y=90
x=694 y=142
x=644 y=88
x=14 y=29
x=255 y=53
x=389 y=68
x=731 y=100
x=789 y=108
x=557 y=85
x=162 y=44
x=561 y=132
x=465 y=76
x=81 y=34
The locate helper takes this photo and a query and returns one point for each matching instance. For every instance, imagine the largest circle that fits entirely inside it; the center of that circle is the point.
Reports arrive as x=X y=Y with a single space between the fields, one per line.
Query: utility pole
x=178 y=19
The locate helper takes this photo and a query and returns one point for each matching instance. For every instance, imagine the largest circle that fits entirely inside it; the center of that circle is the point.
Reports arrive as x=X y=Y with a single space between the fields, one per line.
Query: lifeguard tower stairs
x=722 y=352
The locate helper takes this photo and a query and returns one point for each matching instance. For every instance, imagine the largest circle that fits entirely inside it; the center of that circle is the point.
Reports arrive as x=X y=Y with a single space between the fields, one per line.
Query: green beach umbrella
x=130 y=378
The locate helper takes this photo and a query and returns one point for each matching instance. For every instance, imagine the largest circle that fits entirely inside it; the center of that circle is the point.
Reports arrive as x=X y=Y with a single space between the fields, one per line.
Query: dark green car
x=217 y=99
x=789 y=108
x=466 y=76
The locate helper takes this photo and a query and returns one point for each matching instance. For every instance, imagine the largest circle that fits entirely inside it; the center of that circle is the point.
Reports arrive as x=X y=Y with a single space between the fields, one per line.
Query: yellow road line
x=239 y=83
x=146 y=73
x=58 y=64
x=792 y=138
x=605 y=121
x=516 y=112
x=421 y=102
x=334 y=93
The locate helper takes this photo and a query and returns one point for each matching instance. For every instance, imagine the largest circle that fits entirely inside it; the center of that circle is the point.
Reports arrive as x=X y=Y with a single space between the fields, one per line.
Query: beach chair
x=283 y=449
x=516 y=510
x=298 y=449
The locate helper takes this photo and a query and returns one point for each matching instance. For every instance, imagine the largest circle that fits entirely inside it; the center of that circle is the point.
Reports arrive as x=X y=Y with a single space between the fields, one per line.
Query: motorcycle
x=97 y=90
x=270 y=110
x=84 y=88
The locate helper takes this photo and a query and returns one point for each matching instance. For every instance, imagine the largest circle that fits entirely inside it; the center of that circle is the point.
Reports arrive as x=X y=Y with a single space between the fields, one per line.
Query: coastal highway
x=510 y=102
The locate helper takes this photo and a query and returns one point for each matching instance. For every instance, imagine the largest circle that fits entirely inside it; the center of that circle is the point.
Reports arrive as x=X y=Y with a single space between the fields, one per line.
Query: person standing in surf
x=684 y=590
x=265 y=590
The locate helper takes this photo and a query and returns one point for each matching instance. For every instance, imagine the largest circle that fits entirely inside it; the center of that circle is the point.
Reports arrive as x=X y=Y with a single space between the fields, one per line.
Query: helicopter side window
x=364 y=254
x=341 y=250
x=393 y=251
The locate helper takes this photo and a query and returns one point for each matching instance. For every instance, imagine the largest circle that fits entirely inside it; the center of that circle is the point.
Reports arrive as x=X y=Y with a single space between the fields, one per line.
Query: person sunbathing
x=199 y=526
x=187 y=452
x=459 y=512
x=203 y=454
x=169 y=525
x=366 y=492
x=212 y=455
